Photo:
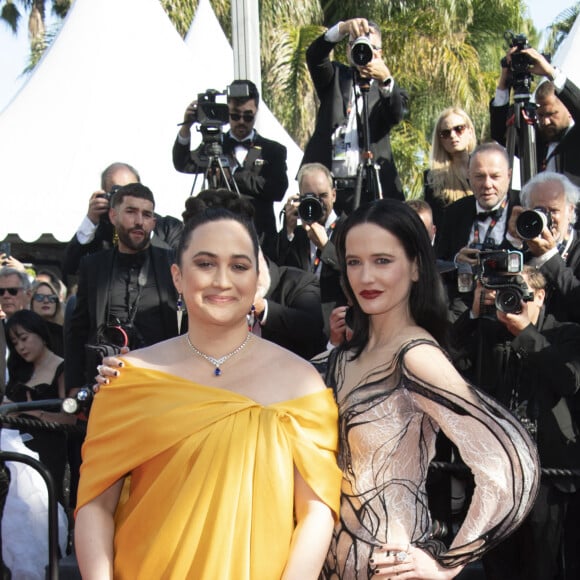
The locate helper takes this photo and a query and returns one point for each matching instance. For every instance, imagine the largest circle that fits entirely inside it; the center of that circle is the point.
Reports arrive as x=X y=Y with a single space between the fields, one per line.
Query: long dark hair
x=427 y=298
x=20 y=370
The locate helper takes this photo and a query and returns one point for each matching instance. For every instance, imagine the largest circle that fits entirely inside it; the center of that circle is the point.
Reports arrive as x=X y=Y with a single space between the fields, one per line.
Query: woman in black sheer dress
x=396 y=389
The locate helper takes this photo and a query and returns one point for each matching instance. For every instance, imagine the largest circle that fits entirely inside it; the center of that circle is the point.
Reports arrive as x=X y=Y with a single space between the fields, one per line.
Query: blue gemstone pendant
x=217 y=372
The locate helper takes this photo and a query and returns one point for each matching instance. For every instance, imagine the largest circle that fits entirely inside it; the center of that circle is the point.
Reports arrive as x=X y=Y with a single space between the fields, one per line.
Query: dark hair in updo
x=213 y=215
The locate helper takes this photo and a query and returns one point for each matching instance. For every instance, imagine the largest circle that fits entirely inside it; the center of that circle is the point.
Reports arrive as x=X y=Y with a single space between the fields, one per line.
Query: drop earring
x=251 y=317
x=179 y=313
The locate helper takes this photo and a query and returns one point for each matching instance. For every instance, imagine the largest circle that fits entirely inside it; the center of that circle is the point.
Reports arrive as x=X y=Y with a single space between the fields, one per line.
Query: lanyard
x=316 y=262
x=487 y=240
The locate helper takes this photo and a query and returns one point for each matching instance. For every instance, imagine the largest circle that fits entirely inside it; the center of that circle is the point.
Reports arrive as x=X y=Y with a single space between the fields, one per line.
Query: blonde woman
x=446 y=180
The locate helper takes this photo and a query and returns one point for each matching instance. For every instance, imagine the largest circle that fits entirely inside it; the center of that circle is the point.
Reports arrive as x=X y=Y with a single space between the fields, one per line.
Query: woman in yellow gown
x=213 y=455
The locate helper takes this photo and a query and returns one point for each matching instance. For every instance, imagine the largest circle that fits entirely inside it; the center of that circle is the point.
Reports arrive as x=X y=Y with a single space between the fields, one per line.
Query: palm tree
x=443 y=52
x=560 y=28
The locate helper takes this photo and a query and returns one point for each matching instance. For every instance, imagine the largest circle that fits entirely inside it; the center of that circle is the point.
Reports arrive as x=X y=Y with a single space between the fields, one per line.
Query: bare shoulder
x=157 y=356
x=289 y=371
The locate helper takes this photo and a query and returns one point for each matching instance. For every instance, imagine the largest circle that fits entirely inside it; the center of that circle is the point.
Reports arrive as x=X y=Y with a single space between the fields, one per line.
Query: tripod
x=367 y=174
x=521 y=130
x=217 y=172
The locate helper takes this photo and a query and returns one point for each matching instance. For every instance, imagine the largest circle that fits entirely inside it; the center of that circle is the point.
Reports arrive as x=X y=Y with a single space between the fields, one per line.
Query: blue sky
x=14 y=49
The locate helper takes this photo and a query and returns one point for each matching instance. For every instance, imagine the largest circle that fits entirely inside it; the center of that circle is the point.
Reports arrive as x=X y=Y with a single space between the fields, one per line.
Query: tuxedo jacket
x=294 y=318
x=90 y=310
x=167 y=233
x=262 y=179
x=567 y=151
x=297 y=253
x=563 y=276
x=542 y=364
x=457 y=223
x=333 y=83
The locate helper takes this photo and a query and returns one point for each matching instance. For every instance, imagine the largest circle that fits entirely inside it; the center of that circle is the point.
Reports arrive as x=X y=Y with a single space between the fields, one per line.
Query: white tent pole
x=246 y=41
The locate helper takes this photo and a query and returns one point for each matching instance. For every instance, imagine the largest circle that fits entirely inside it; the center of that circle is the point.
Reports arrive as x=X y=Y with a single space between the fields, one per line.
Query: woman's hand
x=108 y=369
x=408 y=563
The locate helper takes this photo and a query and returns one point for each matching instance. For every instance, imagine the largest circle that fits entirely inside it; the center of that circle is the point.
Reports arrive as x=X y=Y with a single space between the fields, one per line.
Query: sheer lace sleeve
x=491 y=442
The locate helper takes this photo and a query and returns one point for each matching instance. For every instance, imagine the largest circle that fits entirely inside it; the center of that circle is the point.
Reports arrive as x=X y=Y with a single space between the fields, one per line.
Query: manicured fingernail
x=121 y=364
x=116 y=373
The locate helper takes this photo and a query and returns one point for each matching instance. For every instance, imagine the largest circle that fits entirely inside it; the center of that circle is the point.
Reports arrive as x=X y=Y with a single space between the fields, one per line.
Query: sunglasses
x=51 y=298
x=247 y=116
x=458 y=130
x=11 y=291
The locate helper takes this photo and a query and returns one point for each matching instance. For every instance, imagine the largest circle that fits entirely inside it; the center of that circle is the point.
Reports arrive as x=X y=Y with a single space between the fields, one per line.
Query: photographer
x=531 y=363
x=558 y=105
x=257 y=165
x=125 y=294
x=96 y=233
x=310 y=246
x=335 y=142
x=555 y=251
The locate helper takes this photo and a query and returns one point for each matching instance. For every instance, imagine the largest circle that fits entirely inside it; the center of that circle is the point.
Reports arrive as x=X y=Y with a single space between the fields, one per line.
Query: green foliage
x=443 y=52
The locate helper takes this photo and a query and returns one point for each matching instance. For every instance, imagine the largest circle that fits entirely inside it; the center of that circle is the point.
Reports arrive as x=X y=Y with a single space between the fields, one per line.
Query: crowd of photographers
x=510 y=260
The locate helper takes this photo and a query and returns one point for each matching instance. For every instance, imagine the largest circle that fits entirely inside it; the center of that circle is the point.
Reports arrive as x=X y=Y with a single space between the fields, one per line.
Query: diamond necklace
x=218 y=362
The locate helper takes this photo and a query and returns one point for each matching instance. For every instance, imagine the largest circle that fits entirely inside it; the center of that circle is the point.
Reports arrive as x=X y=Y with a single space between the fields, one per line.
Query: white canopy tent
x=112 y=87
x=566 y=56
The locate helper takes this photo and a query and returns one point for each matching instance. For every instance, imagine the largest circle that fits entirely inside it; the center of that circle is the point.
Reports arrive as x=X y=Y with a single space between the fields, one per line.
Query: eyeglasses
x=246 y=115
x=11 y=291
x=51 y=298
x=458 y=130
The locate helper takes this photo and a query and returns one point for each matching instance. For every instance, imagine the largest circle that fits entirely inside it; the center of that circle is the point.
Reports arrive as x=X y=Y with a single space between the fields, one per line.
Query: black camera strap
x=141 y=282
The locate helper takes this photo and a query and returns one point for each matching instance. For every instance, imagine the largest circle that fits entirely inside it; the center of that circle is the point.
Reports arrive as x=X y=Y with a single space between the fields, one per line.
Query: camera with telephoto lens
x=310 y=208
x=361 y=51
x=531 y=222
x=500 y=270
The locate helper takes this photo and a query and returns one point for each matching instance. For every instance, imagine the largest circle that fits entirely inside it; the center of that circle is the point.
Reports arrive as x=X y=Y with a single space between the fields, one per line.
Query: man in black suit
x=558 y=106
x=127 y=287
x=125 y=294
x=476 y=222
x=96 y=233
x=556 y=251
x=479 y=221
x=531 y=363
x=310 y=246
x=336 y=141
x=257 y=166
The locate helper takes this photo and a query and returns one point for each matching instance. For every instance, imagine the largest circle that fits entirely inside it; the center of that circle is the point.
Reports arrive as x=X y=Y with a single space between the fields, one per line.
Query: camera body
x=519 y=66
x=310 y=208
x=500 y=270
x=531 y=222
x=361 y=51
x=211 y=116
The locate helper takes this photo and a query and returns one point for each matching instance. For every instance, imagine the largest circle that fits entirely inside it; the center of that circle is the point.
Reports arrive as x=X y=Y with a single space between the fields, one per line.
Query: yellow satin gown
x=211 y=489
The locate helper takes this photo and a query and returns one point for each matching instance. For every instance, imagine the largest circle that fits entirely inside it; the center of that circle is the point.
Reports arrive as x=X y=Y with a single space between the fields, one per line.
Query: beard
x=126 y=240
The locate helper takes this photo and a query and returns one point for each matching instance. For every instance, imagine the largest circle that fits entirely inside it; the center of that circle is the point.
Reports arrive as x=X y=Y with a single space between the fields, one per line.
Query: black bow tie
x=494 y=214
x=246 y=143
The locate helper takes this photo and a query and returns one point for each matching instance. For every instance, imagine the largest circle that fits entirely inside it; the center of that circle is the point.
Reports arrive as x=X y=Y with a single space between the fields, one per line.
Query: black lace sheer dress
x=387 y=428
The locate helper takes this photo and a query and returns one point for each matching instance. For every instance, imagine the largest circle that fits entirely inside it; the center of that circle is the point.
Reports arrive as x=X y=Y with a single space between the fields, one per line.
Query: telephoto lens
x=531 y=222
x=361 y=52
x=310 y=209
